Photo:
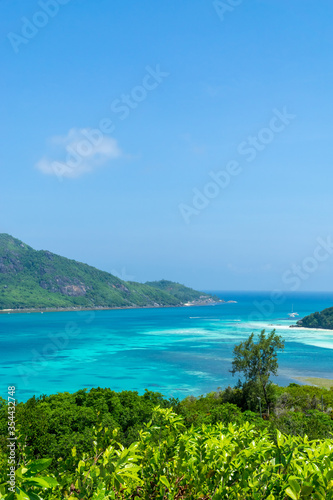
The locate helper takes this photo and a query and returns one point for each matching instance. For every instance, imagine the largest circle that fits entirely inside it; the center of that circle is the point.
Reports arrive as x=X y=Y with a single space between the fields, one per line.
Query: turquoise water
x=176 y=351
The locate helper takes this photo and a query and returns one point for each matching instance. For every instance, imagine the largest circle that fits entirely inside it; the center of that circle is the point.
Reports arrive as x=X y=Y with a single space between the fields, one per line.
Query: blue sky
x=155 y=99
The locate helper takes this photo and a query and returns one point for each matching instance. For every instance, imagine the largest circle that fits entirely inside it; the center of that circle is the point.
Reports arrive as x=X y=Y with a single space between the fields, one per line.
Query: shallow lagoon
x=177 y=351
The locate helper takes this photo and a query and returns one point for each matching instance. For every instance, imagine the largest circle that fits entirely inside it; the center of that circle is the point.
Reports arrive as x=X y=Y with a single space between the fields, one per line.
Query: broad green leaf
x=37 y=466
x=165 y=481
x=306 y=490
x=329 y=475
x=21 y=494
x=291 y=494
x=279 y=438
x=33 y=496
x=45 y=482
x=295 y=485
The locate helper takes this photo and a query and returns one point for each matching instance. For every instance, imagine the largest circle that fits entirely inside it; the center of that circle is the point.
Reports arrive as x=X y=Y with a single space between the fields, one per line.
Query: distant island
x=322 y=320
x=42 y=280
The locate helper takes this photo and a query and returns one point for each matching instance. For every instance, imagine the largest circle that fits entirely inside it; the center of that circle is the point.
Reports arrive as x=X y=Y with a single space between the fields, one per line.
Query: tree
x=257 y=361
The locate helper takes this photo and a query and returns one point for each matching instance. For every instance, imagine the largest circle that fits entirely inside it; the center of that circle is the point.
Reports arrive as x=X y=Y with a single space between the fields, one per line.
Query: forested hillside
x=323 y=319
x=42 y=279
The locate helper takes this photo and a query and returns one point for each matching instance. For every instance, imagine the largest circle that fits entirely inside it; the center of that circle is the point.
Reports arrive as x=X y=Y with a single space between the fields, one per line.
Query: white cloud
x=77 y=153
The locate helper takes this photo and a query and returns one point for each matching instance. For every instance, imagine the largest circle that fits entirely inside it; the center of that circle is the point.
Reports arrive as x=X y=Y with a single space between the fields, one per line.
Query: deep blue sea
x=176 y=351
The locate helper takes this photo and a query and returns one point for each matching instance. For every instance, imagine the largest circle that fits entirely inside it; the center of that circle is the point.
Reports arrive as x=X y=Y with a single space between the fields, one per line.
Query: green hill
x=31 y=279
x=181 y=292
x=323 y=319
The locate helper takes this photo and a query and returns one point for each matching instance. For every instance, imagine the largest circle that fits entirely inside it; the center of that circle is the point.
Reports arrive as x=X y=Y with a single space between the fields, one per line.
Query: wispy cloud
x=79 y=152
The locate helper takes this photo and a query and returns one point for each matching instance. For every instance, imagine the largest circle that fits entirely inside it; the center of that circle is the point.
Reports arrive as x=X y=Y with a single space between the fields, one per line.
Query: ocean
x=177 y=351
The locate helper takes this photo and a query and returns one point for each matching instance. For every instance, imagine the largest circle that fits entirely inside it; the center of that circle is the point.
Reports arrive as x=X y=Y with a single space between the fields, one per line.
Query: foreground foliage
x=51 y=426
x=172 y=462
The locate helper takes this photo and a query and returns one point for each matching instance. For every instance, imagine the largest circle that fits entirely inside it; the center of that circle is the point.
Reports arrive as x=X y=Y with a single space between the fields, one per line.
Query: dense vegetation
x=106 y=445
x=41 y=279
x=256 y=362
x=103 y=445
x=181 y=292
x=323 y=319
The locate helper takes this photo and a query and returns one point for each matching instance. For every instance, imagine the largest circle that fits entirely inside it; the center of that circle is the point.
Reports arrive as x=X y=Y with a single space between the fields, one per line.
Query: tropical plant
x=257 y=361
x=209 y=462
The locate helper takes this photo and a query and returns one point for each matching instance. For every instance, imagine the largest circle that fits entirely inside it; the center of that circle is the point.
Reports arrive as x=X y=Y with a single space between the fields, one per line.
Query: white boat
x=293 y=314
